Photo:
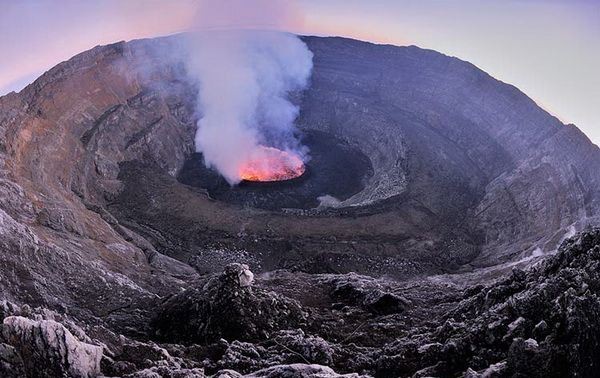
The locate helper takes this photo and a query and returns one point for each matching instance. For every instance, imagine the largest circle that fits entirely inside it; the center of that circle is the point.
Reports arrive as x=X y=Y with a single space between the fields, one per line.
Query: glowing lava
x=272 y=164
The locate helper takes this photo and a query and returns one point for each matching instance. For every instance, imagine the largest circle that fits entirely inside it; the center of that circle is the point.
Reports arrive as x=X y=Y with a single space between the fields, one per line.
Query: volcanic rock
x=368 y=293
x=480 y=331
x=226 y=306
x=300 y=371
x=47 y=349
x=164 y=372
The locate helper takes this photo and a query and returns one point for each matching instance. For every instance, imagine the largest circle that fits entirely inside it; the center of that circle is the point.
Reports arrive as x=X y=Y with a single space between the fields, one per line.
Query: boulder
x=226 y=306
x=48 y=349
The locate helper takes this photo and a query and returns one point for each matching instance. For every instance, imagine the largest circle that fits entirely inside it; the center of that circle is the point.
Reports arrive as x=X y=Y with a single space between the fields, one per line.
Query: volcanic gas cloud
x=246 y=126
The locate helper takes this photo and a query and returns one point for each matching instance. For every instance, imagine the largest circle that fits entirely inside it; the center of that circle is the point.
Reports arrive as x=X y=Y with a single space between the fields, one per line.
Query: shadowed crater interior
x=335 y=169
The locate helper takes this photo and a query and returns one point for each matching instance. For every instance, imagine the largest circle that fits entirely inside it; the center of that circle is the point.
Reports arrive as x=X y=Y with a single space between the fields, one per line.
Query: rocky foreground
x=538 y=322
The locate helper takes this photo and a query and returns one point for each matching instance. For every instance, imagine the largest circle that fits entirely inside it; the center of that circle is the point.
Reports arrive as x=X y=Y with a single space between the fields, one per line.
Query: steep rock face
x=448 y=137
x=551 y=193
x=58 y=246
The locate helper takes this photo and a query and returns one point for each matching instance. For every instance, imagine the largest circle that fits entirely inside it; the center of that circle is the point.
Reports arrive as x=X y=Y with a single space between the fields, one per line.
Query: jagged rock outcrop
x=165 y=372
x=300 y=371
x=47 y=349
x=226 y=306
x=541 y=322
x=369 y=293
x=289 y=371
x=11 y=363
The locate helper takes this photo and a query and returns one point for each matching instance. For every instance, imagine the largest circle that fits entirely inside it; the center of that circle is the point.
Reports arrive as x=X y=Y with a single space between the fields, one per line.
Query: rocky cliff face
x=450 y=142
x=106 y=247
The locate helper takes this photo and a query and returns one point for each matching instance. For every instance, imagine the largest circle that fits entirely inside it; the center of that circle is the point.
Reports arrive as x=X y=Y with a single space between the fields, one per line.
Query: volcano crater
x=428 y=181
x=449 y=180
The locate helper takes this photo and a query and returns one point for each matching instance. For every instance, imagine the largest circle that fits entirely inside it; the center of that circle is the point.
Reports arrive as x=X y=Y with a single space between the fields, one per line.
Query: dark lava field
x=446 y=226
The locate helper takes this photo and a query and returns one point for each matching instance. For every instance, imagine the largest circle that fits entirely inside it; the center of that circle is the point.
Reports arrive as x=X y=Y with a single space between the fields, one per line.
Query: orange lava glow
x=272 y=164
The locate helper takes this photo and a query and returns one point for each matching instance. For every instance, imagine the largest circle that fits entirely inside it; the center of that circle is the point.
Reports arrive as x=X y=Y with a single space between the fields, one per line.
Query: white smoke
x=245 y=76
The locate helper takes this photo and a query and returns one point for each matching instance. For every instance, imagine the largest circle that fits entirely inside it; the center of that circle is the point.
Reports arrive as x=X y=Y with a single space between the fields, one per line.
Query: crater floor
x=334 y=169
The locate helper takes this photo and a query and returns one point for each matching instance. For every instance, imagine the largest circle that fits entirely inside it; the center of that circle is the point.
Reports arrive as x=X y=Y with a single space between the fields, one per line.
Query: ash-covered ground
x=446 y=226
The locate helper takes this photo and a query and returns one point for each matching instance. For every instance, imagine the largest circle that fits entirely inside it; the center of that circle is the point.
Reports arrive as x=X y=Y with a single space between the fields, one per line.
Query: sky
x=550 y=49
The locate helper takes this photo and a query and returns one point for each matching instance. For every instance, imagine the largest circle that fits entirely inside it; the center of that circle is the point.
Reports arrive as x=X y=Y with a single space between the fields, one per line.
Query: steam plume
x=245 y=77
